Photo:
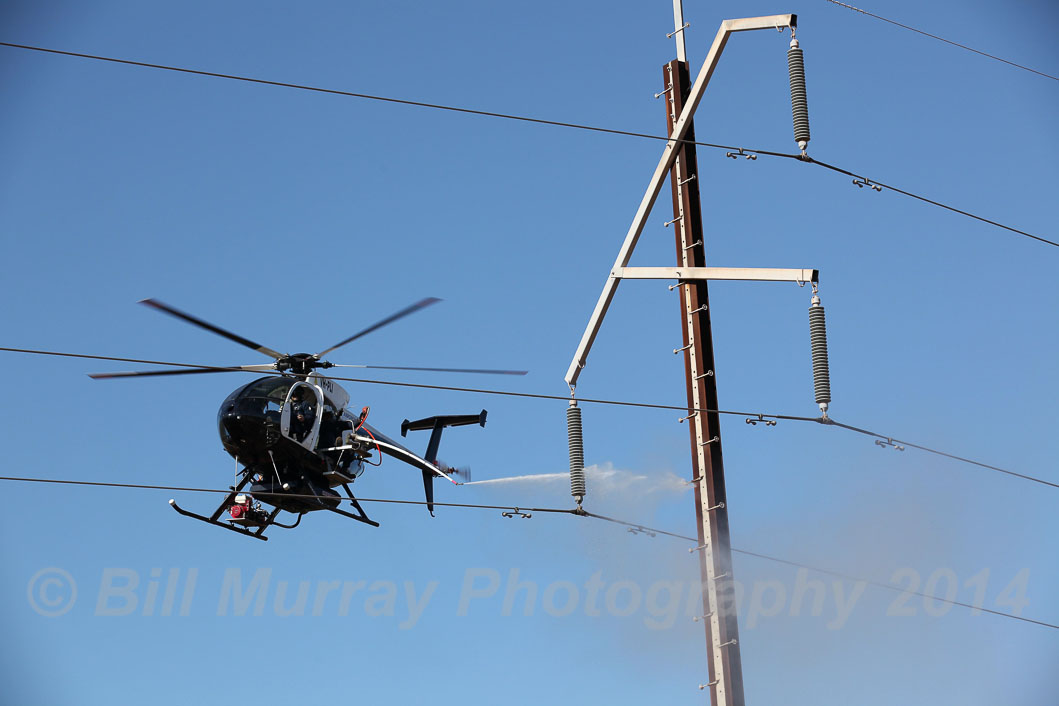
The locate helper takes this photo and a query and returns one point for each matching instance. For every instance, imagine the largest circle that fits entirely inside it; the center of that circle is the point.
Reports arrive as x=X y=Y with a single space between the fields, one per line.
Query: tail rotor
x=462 y=473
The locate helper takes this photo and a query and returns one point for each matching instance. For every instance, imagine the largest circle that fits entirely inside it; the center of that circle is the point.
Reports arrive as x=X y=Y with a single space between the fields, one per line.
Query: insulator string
x=577 y=452
x=818 y=341
x=799 y=104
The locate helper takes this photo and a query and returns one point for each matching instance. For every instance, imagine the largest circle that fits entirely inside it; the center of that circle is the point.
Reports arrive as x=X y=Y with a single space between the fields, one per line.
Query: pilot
x=302 y=415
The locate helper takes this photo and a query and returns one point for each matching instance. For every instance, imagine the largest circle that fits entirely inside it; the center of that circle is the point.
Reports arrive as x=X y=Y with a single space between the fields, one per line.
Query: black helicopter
x=295 y=439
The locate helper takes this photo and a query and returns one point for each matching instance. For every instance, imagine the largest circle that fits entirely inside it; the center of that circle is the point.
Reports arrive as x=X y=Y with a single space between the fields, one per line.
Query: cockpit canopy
x=298 y=410
x=259 y=397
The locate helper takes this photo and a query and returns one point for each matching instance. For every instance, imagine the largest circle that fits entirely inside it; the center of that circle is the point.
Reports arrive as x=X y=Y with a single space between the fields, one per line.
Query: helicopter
x=295 y=439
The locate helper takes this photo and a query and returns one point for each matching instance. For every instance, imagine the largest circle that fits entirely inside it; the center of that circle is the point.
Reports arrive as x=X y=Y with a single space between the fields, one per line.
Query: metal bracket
x=517 y=513
x=682 y=182
x=739 y=274
x=707 y=374
x=730 y=642
x=697 y=618
x=865 y=181
x=889 y=443
x=659 y=95
x=711 y=441
x=665 y=163
x=740 y=153
x=669 y=223
x=718 y=506
x=689 y=247
x=690 y=416
x=715 y=682
x=678 y=350
x=761 y=418
x=698 y=548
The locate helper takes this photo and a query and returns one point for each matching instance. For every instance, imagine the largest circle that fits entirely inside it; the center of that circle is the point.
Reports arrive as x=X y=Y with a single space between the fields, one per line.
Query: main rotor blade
x=388 y=320
x=184 y=371
x=141 y=361
x=486 y=371
x=210 y=327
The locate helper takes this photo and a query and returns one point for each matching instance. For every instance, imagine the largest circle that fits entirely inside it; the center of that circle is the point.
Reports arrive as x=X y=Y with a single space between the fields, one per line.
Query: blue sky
x=296 y=219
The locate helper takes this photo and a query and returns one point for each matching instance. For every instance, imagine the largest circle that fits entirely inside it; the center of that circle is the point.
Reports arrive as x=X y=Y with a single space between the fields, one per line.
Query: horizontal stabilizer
x=447 y=420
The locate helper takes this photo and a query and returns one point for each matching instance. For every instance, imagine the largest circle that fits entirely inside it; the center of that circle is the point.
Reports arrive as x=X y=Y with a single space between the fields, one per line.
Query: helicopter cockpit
x=295 y=409
x=277 y=404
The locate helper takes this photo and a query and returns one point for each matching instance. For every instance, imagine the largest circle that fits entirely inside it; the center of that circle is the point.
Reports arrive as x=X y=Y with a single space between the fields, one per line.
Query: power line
x=924 y=199
x=847 y=577
x=942 y=39
x=518 y=508
x=510 y=116
x=368 y=96
x=898 y=442
x=449 y=388
x=187 y=489
x=752 y=417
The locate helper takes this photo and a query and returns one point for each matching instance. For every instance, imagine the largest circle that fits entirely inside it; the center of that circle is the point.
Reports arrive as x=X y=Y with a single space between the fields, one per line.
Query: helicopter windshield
x=272 y=388
x=259 y=398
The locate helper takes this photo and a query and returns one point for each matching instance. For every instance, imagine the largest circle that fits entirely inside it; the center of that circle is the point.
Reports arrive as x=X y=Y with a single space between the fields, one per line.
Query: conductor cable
x=827 y=421
x=559 y=511
x=492 y=114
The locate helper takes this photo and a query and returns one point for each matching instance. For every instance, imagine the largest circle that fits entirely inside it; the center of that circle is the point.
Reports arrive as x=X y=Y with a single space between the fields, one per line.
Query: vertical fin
x=432 y=457
x=435 y=441
x=436 y=426
x=428 y=488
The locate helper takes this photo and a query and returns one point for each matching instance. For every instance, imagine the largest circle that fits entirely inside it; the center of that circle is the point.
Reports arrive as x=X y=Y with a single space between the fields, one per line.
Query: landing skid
x=361 y=516
x=256 y=534
x=243 y=527
x=256 y=528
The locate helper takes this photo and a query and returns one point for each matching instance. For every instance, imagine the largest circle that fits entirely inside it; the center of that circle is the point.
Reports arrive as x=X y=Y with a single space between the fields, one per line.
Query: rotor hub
x=301 y=363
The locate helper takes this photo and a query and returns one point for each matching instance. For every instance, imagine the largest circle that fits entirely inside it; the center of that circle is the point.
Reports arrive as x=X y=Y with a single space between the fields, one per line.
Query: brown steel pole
x=711 y=513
